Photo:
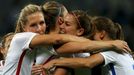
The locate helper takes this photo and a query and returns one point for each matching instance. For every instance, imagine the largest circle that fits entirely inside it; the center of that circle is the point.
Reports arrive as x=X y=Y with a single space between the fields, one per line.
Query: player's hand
x=121 y=46
x=37 y=69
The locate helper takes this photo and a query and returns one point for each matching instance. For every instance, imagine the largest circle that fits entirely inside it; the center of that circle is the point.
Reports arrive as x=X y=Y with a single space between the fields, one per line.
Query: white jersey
x=1 y=66
x=18 y=45
x=117 y=64
x=81 y=55
x=44 y=54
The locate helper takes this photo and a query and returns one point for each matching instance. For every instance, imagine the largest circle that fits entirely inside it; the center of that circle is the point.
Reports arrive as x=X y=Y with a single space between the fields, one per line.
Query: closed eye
x=33 y=25
x=42 y=22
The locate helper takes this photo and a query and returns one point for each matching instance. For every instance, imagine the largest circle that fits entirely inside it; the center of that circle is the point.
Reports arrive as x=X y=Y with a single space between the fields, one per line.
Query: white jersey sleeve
x=23 y=39
x=19 y=43
x=109 y=56
x=117 y=64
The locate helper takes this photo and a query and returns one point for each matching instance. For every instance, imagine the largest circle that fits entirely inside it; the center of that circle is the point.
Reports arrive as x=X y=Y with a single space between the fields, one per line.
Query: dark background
x=121 y=11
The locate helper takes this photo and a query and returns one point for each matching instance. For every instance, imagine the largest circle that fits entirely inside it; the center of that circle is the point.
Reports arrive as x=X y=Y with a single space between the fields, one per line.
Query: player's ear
x=102 y=34
x=80 y=31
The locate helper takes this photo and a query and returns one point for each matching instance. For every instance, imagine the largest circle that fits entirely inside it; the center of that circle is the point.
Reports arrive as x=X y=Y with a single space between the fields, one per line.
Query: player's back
x=118 y=64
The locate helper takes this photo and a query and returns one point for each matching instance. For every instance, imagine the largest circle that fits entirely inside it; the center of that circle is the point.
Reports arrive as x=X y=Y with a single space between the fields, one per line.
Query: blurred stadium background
x=121 y=11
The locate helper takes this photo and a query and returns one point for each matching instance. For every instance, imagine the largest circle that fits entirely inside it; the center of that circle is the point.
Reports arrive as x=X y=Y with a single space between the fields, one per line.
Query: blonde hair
x=26 y=11
x=6 y=43
x=52 y=10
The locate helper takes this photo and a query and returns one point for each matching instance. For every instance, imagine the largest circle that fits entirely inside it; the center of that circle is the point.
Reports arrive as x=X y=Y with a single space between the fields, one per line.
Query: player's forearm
x=52 y=39
x=44 y=40
x=97 y=46
x=88 y=46
x=115 y=45
x=88 y=62
x=72 y=47
x=70 y=62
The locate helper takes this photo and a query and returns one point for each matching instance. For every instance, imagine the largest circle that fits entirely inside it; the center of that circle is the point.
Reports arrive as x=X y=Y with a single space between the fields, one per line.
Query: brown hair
x=119 y=32
x=114 y=30
x=83 y=21
x=26 y=11
x=1 y=53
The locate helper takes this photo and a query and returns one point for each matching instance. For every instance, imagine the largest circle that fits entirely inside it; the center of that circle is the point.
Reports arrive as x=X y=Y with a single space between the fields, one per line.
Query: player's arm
x=53 y=39
x=93 y=46
x=89 y=62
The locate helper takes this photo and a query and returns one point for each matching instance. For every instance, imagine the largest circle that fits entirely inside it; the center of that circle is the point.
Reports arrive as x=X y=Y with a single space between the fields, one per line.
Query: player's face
x=60 y=19
x=69 y=26
x=35 y=23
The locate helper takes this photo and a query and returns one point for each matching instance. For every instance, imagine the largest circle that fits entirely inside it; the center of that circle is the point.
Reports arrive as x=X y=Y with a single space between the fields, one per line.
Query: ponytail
x=119 y=32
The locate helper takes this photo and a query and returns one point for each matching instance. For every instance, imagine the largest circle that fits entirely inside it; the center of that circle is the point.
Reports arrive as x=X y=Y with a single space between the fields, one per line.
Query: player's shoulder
x=25 y=33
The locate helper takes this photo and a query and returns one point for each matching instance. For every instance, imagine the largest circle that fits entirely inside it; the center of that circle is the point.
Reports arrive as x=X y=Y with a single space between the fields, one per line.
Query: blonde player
x=21 y=52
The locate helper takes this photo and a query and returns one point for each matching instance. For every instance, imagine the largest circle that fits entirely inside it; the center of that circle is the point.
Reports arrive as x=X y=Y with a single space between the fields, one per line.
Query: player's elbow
x=89 y=65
